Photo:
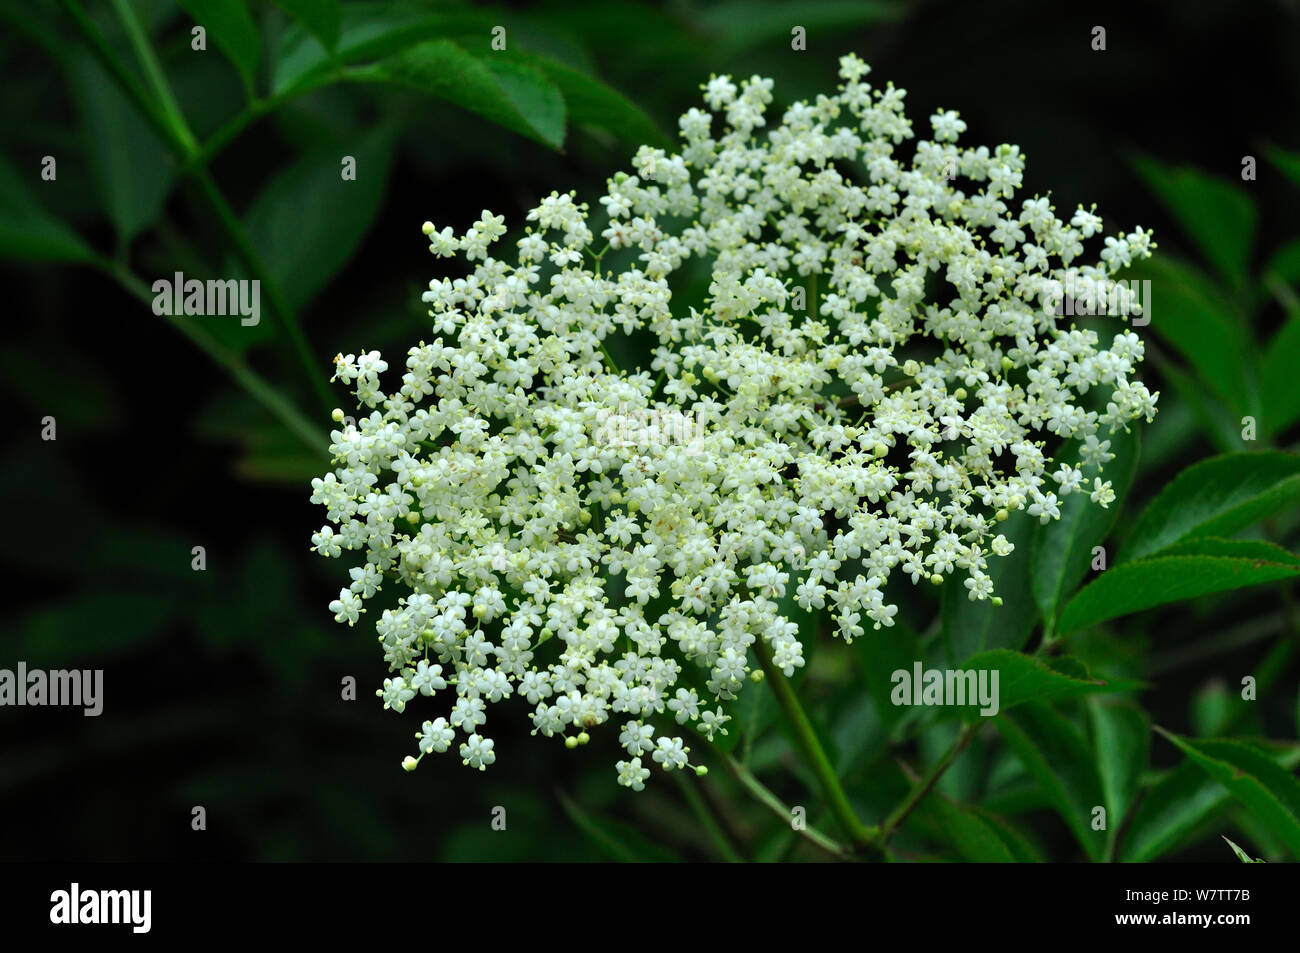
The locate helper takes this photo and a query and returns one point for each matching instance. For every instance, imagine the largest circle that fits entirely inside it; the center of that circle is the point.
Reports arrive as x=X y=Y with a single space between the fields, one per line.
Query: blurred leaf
x=268 y=451
x=1193 y=317
x=618 y=841
x=132 y=168
x=1214 y=419
x=1279 y=395
x=738 y=25
x=1267 y=790
x=1171 y=812
x=511 y=94
x=1211 y=708
x=321 y=17
x=92 y=624
x=856 y=732
x=368 y=31
x=1216 y=497
x=1288 y=162
x=232 y=29
x=1055 y=754
x=308 y=221
x=754 y=712
x=1021 y=847
x=591 y=101
x=880 y=654
x=27 y=231
x=1217 y=214
x=1285 y=263
x=1158 y=580
x=976 y=840
x=1257 y=549
x=1122 y=741
x=1025 y=678
x=71 y=386
x=971 y=626
x=1062 y=549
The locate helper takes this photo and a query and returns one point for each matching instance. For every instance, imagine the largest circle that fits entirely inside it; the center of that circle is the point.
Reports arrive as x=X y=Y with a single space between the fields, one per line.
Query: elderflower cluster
x=880 y=384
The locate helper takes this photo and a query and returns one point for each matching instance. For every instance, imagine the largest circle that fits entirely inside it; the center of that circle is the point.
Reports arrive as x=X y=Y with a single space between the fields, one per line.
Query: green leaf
x=534 y=97
x=228 y=24
x=1241 y=854
x=369 y=31
x=1158 y=580
x=308 y=221
x=880 y=654
x=1213 y=417
x=1216 y=497
x=132 y=168
x=976 y=839
x=1194 y=318
x=594 y=103
x=1211 y=709
x=1178 y=806
x=1279 y=396
x=971 y=626
x=1217 y=214
x=1270 y=792
x=320 y=17
x=1022 y=848
x=1027 y=678
x=856 y=732
x=1171 y=812
x=1062 y=549
x=1257 y=549
x=511 y=94
x=1055 y=754
x=27 y=231
x=1121 y=736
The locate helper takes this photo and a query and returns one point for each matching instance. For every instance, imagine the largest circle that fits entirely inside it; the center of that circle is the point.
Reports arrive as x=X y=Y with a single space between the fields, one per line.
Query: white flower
x=632 y=775
x=427 y=678
x=435 y=736
x=552 y=529
x=685 y=706
x=670 y=753
x=347 y=607
x=637 y=738
x=477 y=752
x=396 y=693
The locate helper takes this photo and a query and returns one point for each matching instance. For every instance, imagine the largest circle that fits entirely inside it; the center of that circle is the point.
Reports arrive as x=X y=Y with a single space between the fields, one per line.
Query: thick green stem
x=814 y=754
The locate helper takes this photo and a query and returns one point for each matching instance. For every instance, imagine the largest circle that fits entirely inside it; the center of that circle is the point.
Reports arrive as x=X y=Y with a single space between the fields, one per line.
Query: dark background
x=222 y=688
